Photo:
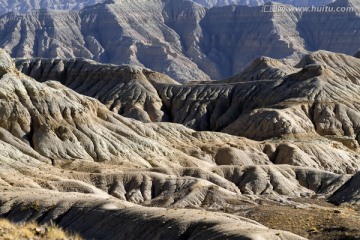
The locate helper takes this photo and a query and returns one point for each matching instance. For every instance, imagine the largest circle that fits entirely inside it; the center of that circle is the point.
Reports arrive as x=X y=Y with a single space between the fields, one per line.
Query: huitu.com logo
x=318 y=9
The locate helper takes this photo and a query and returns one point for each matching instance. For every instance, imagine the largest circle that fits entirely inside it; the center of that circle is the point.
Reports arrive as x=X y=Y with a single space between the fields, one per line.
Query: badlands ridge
x=145 y=157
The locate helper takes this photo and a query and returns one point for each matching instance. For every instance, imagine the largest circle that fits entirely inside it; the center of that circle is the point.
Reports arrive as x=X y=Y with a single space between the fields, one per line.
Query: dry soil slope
x=133 y=92
x=123 y=32
x=103 y=218
x=319 y=154
x=52 y=124
x=127 y=90
x=57 y=141
x=190 y=145
x=180 y=38
x=267 y=100
x=24 y=6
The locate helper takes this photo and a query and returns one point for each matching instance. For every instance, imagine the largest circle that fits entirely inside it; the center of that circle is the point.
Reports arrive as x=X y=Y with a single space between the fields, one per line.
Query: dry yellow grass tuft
x=12 y=231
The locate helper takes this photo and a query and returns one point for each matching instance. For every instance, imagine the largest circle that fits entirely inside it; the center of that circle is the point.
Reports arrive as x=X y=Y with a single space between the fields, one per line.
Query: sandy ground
x=317 y=220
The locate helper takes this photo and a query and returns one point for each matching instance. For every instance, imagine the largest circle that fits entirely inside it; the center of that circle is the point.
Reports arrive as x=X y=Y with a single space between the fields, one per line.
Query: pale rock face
x=56 y=141
x=136 y=99
x=267 y=100
x=6 y=63
x=110 y=32
x=179 y=38
x=24 y=6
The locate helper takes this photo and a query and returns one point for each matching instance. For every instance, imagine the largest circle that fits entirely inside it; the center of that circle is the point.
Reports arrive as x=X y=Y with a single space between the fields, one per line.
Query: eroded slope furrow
x=102 y=218
x=180 y=38
x=66 y=157
x=267 y=100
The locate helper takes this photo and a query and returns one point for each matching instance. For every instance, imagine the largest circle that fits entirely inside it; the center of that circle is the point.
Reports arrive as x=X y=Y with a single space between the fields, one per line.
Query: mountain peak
x=263 y=68
x=324 y=57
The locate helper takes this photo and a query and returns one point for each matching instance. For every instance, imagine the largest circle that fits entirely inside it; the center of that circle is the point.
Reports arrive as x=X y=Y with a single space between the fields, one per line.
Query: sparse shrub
x=12 y=231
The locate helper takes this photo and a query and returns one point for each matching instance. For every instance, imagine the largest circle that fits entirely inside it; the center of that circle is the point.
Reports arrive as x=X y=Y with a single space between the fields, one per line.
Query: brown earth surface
x=317 y=220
